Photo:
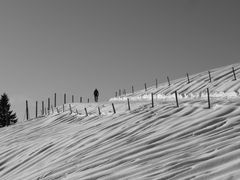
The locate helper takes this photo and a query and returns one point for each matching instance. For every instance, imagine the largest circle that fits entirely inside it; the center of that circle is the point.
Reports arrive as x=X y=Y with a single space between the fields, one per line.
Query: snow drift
x=163 y=142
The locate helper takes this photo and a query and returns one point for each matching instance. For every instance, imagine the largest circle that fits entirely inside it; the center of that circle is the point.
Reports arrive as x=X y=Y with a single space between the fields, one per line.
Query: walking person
x=96 y=94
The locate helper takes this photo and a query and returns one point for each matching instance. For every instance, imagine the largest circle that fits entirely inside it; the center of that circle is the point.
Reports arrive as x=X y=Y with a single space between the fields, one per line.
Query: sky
x=73 y=46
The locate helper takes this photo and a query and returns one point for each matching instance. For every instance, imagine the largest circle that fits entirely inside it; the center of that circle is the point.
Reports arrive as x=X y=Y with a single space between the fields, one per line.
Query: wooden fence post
x=152 y=99
x=176 y=96
x=86 y=111
x=52 y=108
x=72 y=98
x=114 y=110
x=156 y=83
x=36 y=109
x=188 y=78
x=99 y=111
x=132 y=89
x=65 y=98
x=129 y=108
x=169 y=83
x=49 y=105
x=27 y=112
x=80 y=99
x=70 y=108
x=42 y=107
x=57 y=110
x=234 y=75
x=210 y=78
x=209 y=103
x=124 y=92
x=55 y=99
x=119 y=92
x=88 y=100
x=145 y=85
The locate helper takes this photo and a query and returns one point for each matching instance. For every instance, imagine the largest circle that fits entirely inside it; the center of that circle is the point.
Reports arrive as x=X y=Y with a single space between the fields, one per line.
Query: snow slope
x=222 y=85
x=163 y=142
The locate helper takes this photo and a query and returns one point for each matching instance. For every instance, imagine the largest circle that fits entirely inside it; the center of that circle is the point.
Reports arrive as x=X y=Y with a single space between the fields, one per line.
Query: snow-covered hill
x=163 y=142
x=222 y=84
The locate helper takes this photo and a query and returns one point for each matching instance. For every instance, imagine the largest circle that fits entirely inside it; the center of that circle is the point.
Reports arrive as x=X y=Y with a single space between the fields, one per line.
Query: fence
x=50 y=108
x=119 y=93
x=169 y=83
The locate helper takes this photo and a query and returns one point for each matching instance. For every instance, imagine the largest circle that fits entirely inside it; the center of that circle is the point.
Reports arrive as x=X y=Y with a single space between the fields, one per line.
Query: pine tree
x=7 y=117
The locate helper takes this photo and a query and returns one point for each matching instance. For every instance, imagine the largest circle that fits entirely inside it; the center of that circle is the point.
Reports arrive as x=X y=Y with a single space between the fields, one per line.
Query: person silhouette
x=96 y=94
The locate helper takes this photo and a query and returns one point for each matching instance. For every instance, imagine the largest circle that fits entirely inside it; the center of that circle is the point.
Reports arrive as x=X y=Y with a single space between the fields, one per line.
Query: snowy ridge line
x=222 y=85
x=159 y=97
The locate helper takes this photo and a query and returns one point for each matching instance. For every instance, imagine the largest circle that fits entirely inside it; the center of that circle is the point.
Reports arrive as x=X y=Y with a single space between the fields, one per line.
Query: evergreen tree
x=7 y=117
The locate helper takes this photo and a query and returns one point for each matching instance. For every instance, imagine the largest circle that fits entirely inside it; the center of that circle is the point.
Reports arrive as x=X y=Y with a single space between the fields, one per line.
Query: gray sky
x=74 y=46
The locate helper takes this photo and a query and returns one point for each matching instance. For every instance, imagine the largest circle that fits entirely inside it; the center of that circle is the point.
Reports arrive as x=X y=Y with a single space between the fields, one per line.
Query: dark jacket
x=96 y=93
